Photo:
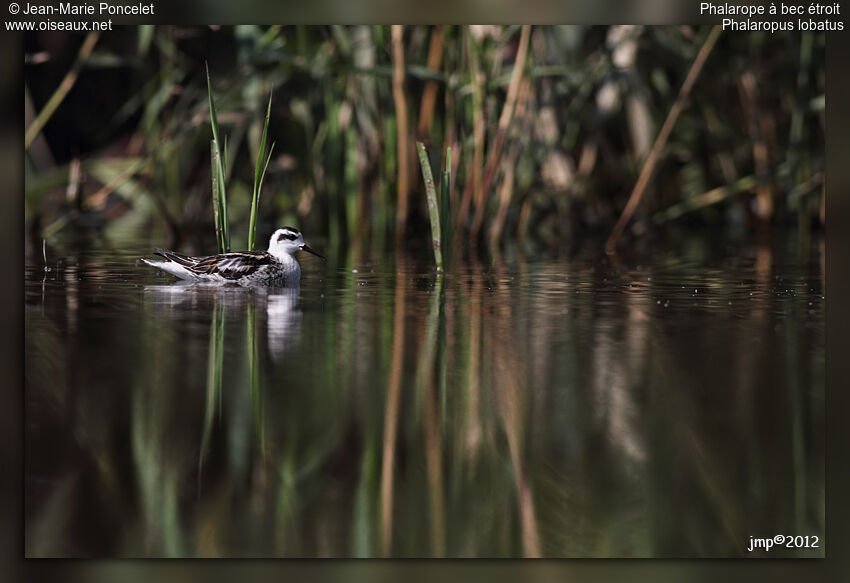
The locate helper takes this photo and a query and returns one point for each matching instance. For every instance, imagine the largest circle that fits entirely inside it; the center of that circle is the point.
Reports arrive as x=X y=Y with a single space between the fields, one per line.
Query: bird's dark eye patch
x=289 y=236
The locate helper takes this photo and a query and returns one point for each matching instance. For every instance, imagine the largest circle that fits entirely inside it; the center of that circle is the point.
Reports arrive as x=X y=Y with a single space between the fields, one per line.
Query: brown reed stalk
x=403 y=154
x=748 y=88
x=62 y=91
x=523 y=109
x=661 y=140
x=429 y=95
x=505 y=195
x=504 y=122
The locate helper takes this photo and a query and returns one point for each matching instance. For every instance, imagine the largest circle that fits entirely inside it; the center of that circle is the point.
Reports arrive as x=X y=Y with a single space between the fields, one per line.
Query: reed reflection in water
x=566 y=408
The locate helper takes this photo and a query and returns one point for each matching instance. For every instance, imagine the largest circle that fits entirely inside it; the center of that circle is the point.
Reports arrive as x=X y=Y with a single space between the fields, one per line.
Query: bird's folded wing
x=232 y=265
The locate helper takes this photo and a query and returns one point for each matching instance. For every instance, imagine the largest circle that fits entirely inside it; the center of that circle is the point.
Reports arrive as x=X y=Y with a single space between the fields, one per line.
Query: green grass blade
x=219 y=191
x=265 y=168
x=222 y=172
x=214 y=162
x=445 y=202
x=213 y=117
x=224 y=158
x=433 y=208
x=259 y=174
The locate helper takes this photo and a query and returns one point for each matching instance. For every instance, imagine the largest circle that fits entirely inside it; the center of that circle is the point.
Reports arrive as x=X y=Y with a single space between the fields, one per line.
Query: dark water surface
x=567 y=408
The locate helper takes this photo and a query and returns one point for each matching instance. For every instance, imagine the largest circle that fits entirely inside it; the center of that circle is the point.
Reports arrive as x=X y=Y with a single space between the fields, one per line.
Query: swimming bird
x=275 y=267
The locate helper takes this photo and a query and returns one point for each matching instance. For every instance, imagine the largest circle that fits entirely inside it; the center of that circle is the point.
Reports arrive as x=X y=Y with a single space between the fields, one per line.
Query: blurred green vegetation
x=550 y=128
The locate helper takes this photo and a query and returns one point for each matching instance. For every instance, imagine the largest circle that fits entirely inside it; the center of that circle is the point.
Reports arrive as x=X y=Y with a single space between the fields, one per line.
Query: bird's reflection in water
x=283 y=321
x=275 y=307
x=228 y=322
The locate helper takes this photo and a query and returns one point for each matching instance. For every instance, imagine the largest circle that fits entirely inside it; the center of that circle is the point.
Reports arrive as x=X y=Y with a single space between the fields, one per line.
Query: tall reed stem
x=401 y=128
x=661 y=140
x=504 y=121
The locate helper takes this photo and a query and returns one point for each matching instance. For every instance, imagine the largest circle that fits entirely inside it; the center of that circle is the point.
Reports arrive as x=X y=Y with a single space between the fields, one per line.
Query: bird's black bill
x=309 y=249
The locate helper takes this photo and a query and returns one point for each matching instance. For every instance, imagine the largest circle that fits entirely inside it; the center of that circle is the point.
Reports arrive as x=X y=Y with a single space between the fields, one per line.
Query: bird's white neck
x=284 y=257
x=288 y=263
